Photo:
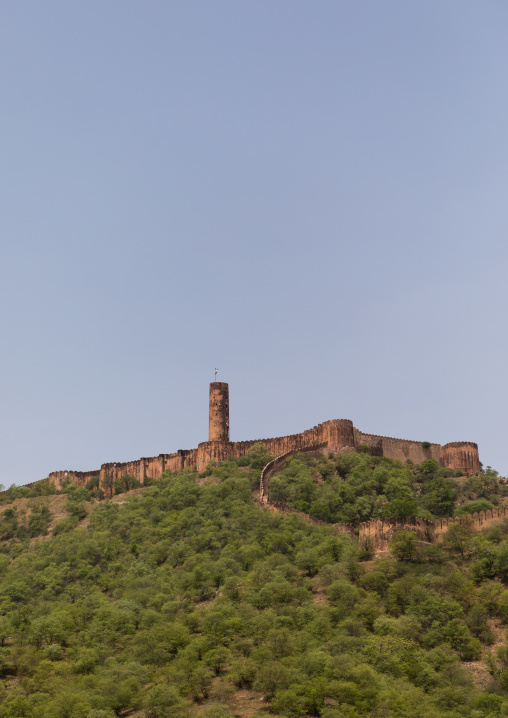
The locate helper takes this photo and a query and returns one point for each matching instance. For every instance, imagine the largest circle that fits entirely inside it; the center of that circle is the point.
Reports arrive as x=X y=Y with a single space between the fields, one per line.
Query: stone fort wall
x=379 y=533
x=336 y=435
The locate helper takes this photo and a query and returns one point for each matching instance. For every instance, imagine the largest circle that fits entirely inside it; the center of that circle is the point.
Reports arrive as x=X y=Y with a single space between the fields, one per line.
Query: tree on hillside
x=403 y=544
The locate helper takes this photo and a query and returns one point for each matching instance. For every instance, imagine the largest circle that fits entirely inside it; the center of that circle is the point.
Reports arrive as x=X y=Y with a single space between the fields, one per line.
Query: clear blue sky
x=310 y=196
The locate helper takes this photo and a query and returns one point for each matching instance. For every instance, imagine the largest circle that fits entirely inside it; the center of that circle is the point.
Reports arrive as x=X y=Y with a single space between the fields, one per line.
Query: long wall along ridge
x=335 y=435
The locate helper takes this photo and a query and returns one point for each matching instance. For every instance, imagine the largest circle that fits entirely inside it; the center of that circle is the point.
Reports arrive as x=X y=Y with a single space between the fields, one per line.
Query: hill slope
x=187 y=598
x=357 y=487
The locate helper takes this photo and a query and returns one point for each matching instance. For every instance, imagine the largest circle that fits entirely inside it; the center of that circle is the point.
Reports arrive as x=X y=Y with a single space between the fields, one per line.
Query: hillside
x=187 y=598
x=356 y=487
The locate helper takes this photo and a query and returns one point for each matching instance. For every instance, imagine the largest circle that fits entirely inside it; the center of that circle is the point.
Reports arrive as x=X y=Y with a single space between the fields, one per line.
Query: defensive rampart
x=152 y=467
x=276 y=465
x=336 y=434
x=376 y=534
x=379 y=533
x=461 y=455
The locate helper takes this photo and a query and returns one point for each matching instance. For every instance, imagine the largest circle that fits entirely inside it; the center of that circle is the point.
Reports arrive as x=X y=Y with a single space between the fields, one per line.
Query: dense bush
x=358 y=487
x=172 y=601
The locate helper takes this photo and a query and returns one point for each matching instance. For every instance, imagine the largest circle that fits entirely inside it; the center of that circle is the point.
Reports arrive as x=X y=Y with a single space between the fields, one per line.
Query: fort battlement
x=335 y=435
x=378 y=533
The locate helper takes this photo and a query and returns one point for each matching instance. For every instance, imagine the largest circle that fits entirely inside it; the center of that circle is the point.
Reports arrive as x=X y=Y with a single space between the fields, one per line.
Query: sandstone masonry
x=334 y=435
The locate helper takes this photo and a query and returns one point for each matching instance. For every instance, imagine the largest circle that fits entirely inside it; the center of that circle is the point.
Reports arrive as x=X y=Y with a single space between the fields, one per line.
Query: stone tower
x=218 y=428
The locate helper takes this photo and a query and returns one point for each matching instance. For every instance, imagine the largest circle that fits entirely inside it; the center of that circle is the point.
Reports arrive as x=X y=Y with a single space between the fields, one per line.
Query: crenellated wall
x=477 y=521
x=336 y=435
x=277 y=464
x=152 y=467
x=60 y=478
x=379 y=533
x=401 y=449
x=461 y=455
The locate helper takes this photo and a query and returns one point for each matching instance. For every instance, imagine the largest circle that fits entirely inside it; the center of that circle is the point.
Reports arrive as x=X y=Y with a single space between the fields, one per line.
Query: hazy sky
x=310 y=196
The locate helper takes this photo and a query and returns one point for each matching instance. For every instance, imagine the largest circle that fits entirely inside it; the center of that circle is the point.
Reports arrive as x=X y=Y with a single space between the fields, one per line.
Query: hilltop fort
x=336 y=435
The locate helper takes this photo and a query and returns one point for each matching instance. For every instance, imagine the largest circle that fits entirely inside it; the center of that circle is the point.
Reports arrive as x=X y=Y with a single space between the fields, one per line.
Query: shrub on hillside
x=473 y=507
x=39 y=520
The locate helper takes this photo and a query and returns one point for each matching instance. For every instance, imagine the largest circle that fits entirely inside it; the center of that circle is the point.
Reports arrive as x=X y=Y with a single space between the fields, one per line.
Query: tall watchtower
x=218 y=427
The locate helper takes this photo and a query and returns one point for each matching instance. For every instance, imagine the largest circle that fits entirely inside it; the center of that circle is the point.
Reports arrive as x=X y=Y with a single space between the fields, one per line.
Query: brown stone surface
x=336 y=435
x=219 y=412
x=379 y=533
x=461 y=455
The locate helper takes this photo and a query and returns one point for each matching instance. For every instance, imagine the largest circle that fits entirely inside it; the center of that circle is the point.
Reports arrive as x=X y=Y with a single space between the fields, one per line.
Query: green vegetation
x=190 y=600
x=90 y=491
x=19 y=525
x=356 y=487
